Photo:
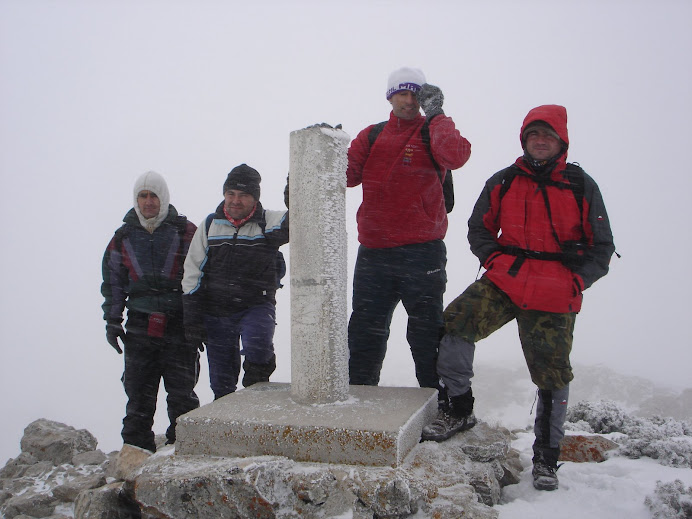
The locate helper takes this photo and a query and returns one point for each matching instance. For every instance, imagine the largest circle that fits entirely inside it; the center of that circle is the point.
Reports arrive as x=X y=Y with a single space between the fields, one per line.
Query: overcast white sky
x=94 y=93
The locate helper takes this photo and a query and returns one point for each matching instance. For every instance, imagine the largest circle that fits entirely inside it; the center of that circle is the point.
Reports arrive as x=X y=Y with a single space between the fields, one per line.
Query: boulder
x=580 y=448
x=129 y=460
x=56 y=442
x=111 y=501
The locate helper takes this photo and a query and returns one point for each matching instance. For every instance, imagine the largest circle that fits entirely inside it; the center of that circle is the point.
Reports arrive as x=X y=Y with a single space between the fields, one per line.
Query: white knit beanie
x=405 y=78
x=152 y=181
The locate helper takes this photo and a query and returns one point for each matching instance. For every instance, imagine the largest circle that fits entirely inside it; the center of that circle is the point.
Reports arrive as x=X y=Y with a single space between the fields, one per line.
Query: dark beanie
x=244 y=178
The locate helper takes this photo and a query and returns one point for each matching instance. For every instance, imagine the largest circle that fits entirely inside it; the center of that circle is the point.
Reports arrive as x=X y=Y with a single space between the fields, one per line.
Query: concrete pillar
x=318 y=262
x=366 y=425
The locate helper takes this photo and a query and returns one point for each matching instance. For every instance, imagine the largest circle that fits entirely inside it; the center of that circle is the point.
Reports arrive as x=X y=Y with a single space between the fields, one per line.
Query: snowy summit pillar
x=319 y=349
x=368 y=425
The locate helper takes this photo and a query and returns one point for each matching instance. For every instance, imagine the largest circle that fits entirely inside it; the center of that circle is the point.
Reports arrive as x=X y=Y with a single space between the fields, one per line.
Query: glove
x=286 y=193
x=113 y=331
x=430 y=99
x=196 y=336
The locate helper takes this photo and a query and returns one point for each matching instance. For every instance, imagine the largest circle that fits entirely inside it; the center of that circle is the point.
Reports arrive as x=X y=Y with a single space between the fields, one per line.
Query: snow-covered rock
x=463 y=475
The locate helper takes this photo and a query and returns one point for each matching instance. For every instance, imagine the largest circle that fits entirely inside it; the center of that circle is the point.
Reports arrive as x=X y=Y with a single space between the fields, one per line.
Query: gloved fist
x=195 y=336
x=113 y=331
x=430 y=99
x=286 y=193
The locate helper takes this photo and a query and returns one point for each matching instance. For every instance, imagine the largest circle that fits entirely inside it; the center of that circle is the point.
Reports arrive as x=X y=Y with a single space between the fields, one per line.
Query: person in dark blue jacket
x=143 y=270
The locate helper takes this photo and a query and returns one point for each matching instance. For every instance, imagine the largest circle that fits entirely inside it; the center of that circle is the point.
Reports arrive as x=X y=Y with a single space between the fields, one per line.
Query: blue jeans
x=416 y=276
x=254 y=327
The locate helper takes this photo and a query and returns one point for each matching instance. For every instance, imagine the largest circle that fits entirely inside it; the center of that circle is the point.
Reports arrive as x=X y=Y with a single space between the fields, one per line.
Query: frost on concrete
x=319 y=353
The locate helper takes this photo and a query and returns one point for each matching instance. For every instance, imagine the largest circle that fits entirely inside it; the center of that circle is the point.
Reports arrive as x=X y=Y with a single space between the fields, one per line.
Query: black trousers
x=414 y=275
x=147 y=361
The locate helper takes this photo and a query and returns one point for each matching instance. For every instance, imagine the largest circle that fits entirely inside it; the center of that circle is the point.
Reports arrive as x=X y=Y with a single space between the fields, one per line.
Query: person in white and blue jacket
x=232 y=272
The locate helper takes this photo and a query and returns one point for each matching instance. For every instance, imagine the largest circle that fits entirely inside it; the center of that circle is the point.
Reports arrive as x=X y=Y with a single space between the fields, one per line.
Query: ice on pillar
x=318 y=262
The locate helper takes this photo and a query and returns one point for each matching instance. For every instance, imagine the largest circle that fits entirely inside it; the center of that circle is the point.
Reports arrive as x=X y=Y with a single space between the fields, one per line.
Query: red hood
x=556 y=117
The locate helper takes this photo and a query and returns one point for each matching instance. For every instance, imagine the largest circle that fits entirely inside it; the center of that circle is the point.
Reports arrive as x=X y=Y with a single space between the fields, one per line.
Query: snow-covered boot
x=544 y=473
x=459 y=417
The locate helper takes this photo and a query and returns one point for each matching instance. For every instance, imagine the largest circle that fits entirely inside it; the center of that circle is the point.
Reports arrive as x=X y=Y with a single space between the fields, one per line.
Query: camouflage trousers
x=546 y=337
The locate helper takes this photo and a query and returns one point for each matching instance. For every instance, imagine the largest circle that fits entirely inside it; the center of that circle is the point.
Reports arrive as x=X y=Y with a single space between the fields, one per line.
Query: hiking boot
x=544 y=477
x=447 y=425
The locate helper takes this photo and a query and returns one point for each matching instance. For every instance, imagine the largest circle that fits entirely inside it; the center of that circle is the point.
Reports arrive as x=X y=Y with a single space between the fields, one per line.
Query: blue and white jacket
x=230 y=269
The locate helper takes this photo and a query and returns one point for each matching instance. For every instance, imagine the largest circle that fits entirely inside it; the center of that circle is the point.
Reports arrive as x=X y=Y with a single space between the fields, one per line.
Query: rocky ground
x=60 y=474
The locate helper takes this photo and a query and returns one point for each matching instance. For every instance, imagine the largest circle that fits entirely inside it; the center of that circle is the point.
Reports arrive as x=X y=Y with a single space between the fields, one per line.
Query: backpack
x=573 y=172
x=280 y=262
x=447 y=183
x=572 y=254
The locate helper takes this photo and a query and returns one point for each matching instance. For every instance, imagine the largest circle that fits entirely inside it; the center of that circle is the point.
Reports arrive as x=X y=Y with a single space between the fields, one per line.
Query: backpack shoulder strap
x=508 y=177
x=447 y=183
x=207 y=222
x=425 y=136
x=263 y=222
x=375 y=131
x=575 y=174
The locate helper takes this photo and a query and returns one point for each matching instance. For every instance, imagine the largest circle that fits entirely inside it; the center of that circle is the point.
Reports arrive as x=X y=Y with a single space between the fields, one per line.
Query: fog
x=94 y=93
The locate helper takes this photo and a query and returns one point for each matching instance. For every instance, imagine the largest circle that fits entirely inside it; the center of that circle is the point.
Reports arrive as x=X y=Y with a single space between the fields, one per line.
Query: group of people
x=186 y=287
x=539 y=228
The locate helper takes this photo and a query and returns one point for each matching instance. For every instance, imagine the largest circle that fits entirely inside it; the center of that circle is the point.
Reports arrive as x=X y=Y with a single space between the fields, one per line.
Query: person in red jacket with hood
x=541 y=231
x=401 y=224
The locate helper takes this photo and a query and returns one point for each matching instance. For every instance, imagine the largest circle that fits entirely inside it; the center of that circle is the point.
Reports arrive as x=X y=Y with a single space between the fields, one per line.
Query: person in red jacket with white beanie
x=541 y=231
x=401 y=165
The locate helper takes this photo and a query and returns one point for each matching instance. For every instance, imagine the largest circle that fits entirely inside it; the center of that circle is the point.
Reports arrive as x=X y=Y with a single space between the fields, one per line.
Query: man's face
x=149 y=204
x=238 y=204
x=405 y=105
x=542 y=144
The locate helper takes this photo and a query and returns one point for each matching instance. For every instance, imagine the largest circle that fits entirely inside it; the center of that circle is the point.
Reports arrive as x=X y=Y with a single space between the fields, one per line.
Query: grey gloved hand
x=113 y=331
x=430 y=99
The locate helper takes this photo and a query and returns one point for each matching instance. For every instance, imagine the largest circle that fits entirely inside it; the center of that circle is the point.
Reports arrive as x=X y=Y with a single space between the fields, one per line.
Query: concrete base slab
x=375 y=426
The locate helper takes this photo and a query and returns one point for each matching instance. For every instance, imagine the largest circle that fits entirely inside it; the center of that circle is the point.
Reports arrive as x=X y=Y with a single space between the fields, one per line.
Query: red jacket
x=519 y=219
x=402 y=193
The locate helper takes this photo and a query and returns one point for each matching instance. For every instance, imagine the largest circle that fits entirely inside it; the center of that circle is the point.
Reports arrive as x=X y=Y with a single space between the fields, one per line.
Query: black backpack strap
x=375 y=131
x=575 y=174
x=425 y=136
x=447 y=183
x=571 y=253
x=207 y=223
x=507 y=179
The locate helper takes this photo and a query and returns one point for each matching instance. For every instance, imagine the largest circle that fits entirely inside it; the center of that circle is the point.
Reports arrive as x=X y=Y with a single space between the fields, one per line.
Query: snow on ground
x=613 y=489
